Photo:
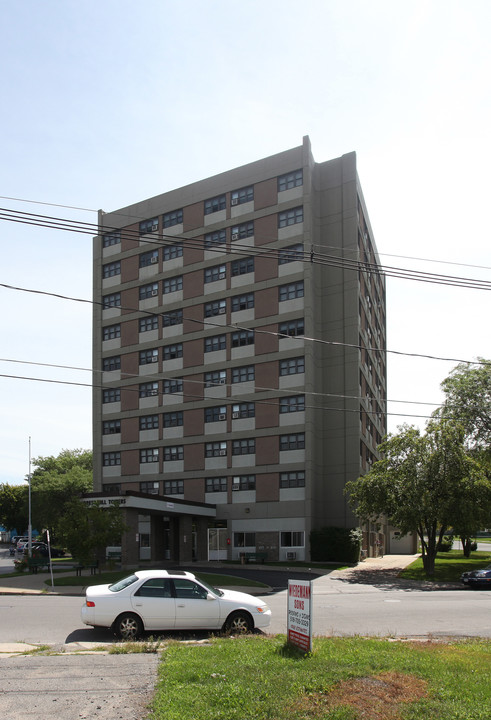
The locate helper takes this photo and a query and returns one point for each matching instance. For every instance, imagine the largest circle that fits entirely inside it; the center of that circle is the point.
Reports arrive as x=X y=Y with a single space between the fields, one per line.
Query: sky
x=107 y=103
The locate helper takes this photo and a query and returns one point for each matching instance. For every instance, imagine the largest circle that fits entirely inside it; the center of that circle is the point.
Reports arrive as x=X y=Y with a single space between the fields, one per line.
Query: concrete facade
x=239 y=355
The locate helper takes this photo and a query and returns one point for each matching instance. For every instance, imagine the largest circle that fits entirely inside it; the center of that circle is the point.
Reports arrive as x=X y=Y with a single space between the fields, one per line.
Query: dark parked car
x=42 y=549
x=477 y=578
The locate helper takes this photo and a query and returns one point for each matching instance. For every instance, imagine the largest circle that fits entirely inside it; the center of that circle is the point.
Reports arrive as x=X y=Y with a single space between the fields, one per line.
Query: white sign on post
x=299 y=621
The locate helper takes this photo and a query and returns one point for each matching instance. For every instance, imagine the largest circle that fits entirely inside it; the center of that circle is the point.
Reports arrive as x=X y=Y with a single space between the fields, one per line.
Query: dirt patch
x=377 y=697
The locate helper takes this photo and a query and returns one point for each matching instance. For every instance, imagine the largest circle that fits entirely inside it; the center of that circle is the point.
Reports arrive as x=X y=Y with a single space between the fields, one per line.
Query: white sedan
x=151 y=600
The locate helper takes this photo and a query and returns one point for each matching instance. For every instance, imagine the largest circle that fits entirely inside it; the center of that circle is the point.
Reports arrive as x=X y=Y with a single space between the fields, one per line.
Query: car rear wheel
x=239 y=623
x=128 y=626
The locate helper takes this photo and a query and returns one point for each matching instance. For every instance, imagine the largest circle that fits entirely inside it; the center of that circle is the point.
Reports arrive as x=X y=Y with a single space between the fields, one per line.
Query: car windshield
x=213 y=590
x=122 y=584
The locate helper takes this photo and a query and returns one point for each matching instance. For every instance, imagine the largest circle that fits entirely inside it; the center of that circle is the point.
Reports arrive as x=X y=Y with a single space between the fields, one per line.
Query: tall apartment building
x=239 y=359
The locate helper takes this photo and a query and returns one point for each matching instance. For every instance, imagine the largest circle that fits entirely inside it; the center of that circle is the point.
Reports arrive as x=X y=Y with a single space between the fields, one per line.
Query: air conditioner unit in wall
x=236 y=486
x=235 y=201
x=235 y=415
x=155 y=293
x=222 y=416
x=154 y=260
x=154 y=358
x=235 y=236
x=221 y=310
x=223 y=452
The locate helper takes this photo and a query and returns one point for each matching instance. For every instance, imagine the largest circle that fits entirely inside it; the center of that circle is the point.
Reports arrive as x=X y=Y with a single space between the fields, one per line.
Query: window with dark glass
x=242 y=230
x=296 y=403
x=149 y=455
x=217 y=272
x=172 y=318
x=241 y=338
x=291 y=291
x=244 y=539
x=111 y=238
x=243 y=482
x=174 y=487
x=110 y=332
x=173 y=452
x=243 y=410
x=292 y=539
x=147 y=323
x=292 y=479
x=111 y=458
x=149 y=226
x=111 y=301
x=216 y=484
x=148 y=356
x=111 y=427
x=244 y=447
x=244 y=266
x=215 y=377
x=171 y=352
x=149 y=258
x=238 y=197
x=148 y=389
x=172 y=285
x=290 y=217
x=292 y=328
x=215 y=204
x=172 y=218
x=218 y=237
x=171 y=252
x=215 y=449
x=242 y=302
x=215 y=414
x=173 y=419
x=217 y=307
x=148 y=291
x=292 y=366
x=111 y=269
x=110 y=395
x=217 y=342
x=150 y=487
x=112 y=363
x=149 y=422
x=172 y=385
x=290 y=180
x=243 y=374
x=294 y=441
x=290 y=254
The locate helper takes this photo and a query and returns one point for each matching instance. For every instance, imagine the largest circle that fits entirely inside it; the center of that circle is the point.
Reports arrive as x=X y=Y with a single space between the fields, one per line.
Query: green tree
x=425 y=483
x=13 y=507
x=87 y=529
x=468 y=401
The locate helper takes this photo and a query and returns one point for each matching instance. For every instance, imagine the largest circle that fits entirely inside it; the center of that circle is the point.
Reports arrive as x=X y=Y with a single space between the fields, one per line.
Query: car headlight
x=262 y=609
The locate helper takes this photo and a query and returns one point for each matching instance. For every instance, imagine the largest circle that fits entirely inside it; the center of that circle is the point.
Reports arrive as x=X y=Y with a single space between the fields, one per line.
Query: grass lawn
x=260 y=678
x=111 y=577
x=448 y=566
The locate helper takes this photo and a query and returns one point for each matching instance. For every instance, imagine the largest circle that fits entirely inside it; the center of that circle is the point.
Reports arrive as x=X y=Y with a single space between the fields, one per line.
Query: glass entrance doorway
x=217 y=543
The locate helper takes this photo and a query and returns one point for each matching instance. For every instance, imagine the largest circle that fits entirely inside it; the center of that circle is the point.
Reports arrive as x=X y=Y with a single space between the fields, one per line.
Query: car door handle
x=181 y=605
x=138 y=604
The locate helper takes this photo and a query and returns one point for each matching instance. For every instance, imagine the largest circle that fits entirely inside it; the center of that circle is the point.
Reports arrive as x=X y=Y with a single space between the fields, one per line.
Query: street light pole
x=29 y=526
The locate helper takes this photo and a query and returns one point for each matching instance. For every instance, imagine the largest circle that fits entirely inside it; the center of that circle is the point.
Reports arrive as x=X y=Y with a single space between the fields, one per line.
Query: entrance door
x=217 y=543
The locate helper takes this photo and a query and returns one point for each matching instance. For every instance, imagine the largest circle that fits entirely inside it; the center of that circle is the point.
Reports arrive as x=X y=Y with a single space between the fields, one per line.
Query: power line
x=238 y=327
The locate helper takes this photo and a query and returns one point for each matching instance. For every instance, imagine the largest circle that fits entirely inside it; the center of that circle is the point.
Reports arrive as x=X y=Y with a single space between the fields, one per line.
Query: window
x=111 y=427
x=151 y=487
x=292 y=328
x=147 y=323
x=243 y=374
x=242 y=196
x=217 y=342
x=296 y=441
x=113 y=488
x=244 y=447
x=244 y=539
x=292 y=366
x=216 y=484
x=111 y=269
x=173 y=419
x=290 y=180
x=111 y=301
x=149 y=422
x=290 y=291
x=148 y=291
x=149 y=226
x=174 y=487
x=172 y=385
x=172 y=318
x=241 y=231
x=290 y=254
x=112 y=363
x=215 y=449
x=149 y=455
x=149 y=258
x=219 y=237
x=111 y=331
x=290 y=217
x=111 y=395
x=172 y=351
x=244 y=482
x=217 y=272
x=292 y=479
x=242 y=338
x=292 y=539
x=172 y=284
x=148 y=389
x=215 y=377
x=242 y=266
x=172 y=218
x=242 y=302
x=111 y=458
x=215 y=204
x=112 y=238
x=173 y=452
x=149 y=356
x=170 y=252
x=217 y=307
x=215 y=414
x=296 y=403
x=243 y=410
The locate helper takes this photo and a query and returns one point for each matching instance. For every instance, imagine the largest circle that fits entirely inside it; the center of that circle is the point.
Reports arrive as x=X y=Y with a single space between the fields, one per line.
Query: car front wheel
x=239 y=623
x=128 y=626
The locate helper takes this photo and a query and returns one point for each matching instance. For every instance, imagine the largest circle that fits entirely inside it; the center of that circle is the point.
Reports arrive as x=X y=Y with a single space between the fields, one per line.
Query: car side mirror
x=210 y=596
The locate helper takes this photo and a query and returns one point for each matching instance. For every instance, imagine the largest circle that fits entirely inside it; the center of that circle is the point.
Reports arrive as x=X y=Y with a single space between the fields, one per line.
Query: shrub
x=335 y=544
x=446 y=544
